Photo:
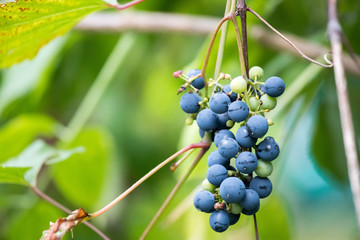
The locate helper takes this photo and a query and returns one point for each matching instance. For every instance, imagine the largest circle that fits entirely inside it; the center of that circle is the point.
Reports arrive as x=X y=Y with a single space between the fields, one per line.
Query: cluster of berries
x=230 y=187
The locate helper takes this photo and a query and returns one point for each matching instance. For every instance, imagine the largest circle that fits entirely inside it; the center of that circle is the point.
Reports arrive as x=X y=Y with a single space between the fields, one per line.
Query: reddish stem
x=125 y=6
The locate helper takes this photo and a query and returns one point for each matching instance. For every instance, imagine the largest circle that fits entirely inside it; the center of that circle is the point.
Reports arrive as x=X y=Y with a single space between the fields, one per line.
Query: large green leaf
x=34 y=157
x=81 y=180
x=26 y=26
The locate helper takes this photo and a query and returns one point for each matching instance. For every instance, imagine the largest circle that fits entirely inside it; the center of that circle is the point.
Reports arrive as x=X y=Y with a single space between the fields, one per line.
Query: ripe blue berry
x=232 y=190
x=251 y=199
x=251 y=211
x=223 y=119
x=246 y=162
x=216 y=174
x=244 y=139
x=197 y=82
x=257 y=126
x=233 y=218
x=228 y=148
x=262 y=186
x=268 y=149
x=207 y=120
x=216 y=158
x=219 y=102
x=274 y=86
x=204 y=201
x=189 y=102
x=227 y=89
x=222 y=134
x=219 y=221
x=238 y=111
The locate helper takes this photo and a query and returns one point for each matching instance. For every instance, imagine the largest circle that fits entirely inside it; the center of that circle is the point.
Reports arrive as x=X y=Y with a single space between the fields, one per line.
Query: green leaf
x=82 y=179
x=33 y=157
x=22 y=131
x=13 y=175
x=26 y=26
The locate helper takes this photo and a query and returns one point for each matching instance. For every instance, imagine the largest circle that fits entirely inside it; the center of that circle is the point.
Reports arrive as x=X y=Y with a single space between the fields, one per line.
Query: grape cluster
x=230 y=187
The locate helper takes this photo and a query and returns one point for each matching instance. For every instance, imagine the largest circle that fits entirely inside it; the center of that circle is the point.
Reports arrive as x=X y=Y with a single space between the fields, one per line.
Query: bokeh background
x=138 y=123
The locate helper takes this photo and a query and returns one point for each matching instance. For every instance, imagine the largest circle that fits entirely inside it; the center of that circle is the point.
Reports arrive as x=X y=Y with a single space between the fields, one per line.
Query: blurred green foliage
x=138 y=123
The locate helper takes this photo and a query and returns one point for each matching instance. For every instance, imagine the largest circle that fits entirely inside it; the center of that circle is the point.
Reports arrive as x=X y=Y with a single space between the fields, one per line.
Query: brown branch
x=288 y=41
x=173 y=192
x=347 y=126
x=65 y=209
x=241 y=11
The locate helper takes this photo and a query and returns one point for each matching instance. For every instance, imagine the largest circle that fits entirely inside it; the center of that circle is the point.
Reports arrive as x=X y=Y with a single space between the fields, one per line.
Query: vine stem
x=125 y=6
x=256 y=228
x=224 y=31
x=149 y=174
x=97 y=89
x=174 y=191
x=65 y=209
x=288 y=41
x=347 y=126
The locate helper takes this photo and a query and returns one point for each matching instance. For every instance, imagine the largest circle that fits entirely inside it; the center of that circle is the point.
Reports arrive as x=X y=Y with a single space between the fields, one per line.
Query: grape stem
x=202 y=145
x=174 y=191
x=125 y=6
x=256 y=228
x=330 y=65
x=63 y=208
x=347 y=126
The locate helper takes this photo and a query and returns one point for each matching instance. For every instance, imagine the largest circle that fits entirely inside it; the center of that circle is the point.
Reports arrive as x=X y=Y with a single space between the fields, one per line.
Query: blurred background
x=138 y=123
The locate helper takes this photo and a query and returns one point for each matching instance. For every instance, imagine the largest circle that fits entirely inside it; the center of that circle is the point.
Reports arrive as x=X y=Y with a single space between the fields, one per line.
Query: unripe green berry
x=256 y=72
x=238 y=85
x=268 y=102
x=270 y=122
x=189 y=121
x=253 y=103
x=230 y=123
x=236 y=208
x=206 y=185
x=264 y=168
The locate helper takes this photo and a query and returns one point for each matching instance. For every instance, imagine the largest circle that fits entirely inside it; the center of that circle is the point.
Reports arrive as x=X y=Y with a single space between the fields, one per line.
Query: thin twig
x=347 y=126
x=175 y=166
x=224 y=31
x=288 y=41
x=125 y=6
x=68 y=211
x=256 y=228
x=149 y=174
x=241 y=11
x=173 y=192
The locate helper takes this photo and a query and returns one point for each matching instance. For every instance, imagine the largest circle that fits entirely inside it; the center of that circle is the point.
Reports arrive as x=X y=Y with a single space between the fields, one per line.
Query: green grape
x=206 y=185
x=236 y=208
x=253 y=103
x=238 y=85
x=268 y=102
x=256 y=72
x=264 y=168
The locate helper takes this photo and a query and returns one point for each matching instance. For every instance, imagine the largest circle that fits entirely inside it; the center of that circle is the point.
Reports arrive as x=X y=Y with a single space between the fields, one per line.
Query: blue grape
x=197 y=82
x=204 y=201
x=257 y=126
x=219 y=102
x=262 y=186
x=238 y=111
x=232 y=190
x=268 y=149
x=223 y=118
x=219 y=220
x=246 y=162
x=216 y=174
x=207 y=120
x=244 y=139
x=227 y=89
x=233 y=218
x=216 y=158
x=220 y=135
x=274 y=86
x=228 y=148
x=251 y=199
x=251 y=211
x=189 y=102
